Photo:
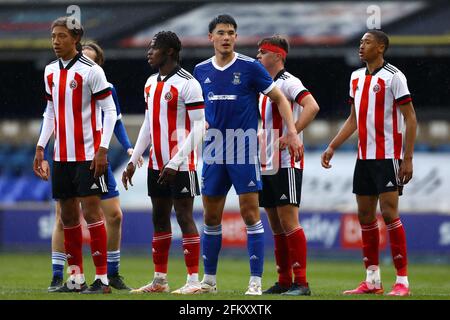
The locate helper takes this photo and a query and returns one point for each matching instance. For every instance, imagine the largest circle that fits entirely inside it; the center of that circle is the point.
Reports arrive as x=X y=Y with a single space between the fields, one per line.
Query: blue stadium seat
x=443 y=147
x=422 y=147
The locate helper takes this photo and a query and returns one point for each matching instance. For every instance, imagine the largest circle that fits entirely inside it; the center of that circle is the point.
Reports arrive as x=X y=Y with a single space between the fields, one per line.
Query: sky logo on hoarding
x=45 y=225
x=321 y=229
x=444 y=234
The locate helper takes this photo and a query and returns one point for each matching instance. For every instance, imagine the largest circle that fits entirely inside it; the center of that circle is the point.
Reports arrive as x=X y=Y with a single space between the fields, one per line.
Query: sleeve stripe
x=269 y=88
x=202 y=106
x=102 y=94
x=194 y=104
x=301 y=95
x=404 y=99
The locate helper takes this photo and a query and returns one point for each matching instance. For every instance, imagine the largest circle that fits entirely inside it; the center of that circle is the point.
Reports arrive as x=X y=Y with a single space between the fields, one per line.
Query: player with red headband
x=281 y=173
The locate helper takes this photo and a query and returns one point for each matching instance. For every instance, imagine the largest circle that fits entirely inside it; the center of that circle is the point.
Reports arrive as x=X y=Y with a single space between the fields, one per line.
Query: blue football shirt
x=231 y=96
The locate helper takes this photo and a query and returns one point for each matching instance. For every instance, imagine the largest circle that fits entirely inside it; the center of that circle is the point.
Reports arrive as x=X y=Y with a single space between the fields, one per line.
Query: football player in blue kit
x=231 y=84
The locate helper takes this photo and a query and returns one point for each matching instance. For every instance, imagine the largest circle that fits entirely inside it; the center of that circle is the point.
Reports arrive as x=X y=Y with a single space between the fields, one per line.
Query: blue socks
x=255 y=247
x=58 y=262
x=211 y=244
x=113 y=260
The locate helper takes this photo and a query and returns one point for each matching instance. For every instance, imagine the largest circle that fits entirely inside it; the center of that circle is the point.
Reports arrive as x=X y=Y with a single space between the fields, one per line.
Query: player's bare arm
x=310 y=110
x=406 y=168
x=291 y=138
x=344 y=133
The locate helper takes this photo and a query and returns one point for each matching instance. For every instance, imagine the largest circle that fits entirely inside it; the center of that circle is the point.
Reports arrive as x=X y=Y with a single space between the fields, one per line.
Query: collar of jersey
x=376 y=70
x=213 y=60
x=279 y=74
x=171 y=73
x=70 y=64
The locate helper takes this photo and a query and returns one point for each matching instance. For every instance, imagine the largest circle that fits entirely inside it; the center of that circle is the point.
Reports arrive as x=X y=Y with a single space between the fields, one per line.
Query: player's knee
x=211 y=220
x=288 y=225
x=389 y=216
x=161 y=223
x=184 y=219
x=114 y=217
x=69 y=221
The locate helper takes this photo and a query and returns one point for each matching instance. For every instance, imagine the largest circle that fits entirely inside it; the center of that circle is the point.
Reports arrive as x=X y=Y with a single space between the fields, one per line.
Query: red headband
x=273 y=48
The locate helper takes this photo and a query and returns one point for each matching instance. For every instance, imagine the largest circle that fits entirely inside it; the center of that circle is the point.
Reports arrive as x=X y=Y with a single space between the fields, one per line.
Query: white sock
x=160 y=275
x=209 y=279
x=103 y=278
x=373 y=275
x=77 y=278
x=402 y=280
x=193 y=277
x=255 y=279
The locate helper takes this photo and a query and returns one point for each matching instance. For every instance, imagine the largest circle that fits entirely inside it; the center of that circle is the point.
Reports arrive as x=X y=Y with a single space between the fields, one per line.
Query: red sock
x=282 y=260
x=191 y=250
x=297 y=252
x=397 y=238
x=370 y=243
x=161 y=245
x=97 y=231
x=73 y=244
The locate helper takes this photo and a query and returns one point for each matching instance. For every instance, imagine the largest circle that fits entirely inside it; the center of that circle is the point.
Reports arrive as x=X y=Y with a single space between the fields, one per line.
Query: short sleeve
x=48 y=83
x=192 y=95
x=295 y=90
x=146 y=93
x=262 y=80
x=100 y=87
x=400 y=89
x=352 y=88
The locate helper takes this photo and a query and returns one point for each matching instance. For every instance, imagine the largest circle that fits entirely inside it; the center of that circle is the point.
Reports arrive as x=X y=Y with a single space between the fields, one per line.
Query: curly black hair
x=167 y=40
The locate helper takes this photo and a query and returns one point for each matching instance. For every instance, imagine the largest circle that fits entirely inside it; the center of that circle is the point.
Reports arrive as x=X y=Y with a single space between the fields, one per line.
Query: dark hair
x=276 y=40
x=100 y=56
x=223 y=18
x=167 y=40
x=380 y=36
x=73 y=25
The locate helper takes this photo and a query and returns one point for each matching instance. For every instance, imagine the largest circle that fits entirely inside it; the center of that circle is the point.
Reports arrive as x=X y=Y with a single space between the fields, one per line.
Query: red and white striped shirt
x=168 y=102
x=74 y=93
x=274 y=126
x=380 y=123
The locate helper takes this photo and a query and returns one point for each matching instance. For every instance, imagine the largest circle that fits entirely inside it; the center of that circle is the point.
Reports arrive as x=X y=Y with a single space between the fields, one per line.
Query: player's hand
x=127 y=175
x=167 y=176
x=206 y=125
x=293 y=142
x=326 y=157
x=405 y=172
x=140 y=162
x=100 y=162
x=40 y=166
x=45 y=167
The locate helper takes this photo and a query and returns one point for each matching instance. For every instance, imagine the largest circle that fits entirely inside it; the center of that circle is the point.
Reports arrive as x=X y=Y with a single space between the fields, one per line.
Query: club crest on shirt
x=168 y=96
x=236 y=78
x=376 y=88
x=73 y=84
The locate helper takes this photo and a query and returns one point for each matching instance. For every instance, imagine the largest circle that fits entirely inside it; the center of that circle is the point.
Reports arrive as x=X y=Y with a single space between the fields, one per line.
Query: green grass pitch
x=26 y=276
